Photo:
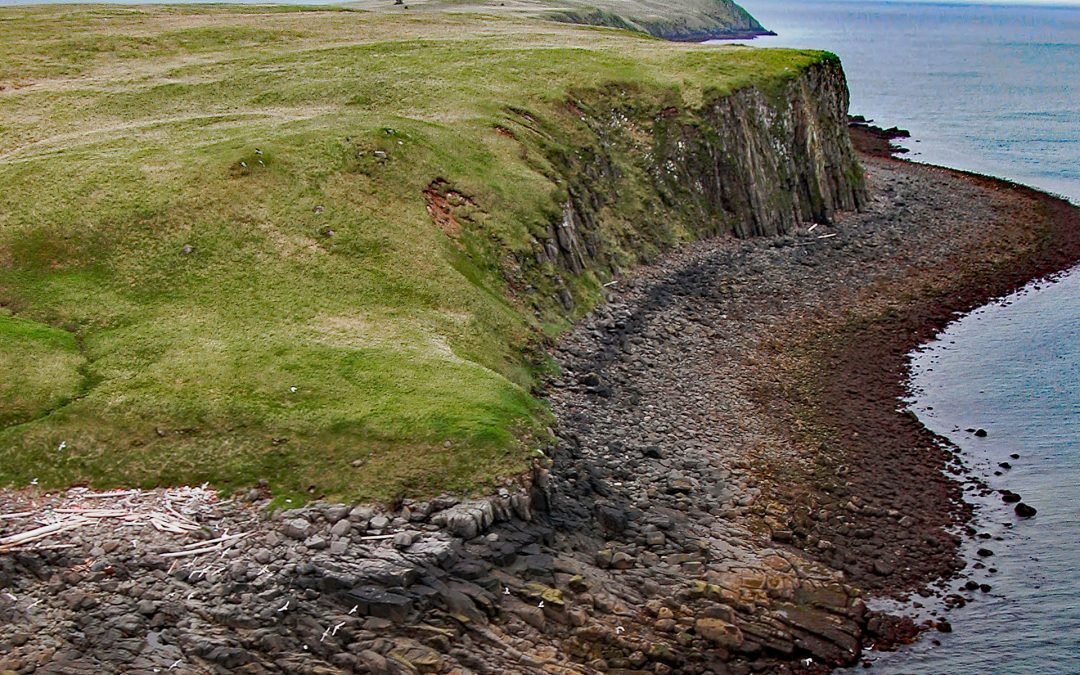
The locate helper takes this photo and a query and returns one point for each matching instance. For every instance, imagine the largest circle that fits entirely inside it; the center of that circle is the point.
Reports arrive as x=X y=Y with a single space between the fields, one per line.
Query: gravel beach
x=733 y=477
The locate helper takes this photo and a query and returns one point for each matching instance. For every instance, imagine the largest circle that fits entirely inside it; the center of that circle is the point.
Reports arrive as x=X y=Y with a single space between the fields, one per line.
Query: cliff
x=332 y=255
x=756 y=161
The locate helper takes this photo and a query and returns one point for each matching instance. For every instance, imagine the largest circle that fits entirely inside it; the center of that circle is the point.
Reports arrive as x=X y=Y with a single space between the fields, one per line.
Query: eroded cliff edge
x=646 y=172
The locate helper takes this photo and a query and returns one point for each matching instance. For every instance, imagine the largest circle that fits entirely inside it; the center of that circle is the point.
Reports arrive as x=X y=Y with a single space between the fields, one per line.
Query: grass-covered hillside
x=245 y=243
x=692 y=20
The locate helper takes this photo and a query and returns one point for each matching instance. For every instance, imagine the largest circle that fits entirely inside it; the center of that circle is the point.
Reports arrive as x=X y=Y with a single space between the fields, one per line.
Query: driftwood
x=16 y=516
x=171 y=511
x=210 y=546
x=23 y=538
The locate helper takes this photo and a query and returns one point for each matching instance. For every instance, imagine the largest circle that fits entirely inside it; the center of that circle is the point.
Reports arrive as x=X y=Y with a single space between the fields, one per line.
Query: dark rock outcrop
x=645 y=176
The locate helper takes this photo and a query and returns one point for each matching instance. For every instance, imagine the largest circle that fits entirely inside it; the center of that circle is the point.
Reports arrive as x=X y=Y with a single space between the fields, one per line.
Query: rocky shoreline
x=731 y=477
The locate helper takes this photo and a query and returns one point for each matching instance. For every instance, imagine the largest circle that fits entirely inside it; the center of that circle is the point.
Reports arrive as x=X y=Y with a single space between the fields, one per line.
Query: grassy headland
x=218 y=262
x=680 y=20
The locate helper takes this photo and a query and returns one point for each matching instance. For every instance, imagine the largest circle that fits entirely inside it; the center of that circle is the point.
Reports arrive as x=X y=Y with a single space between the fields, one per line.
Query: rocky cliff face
x=649 y=173
x=690 y=21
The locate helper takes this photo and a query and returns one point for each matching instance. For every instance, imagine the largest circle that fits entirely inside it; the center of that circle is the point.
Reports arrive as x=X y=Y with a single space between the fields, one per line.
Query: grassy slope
x=682 y=19
x=128 y=134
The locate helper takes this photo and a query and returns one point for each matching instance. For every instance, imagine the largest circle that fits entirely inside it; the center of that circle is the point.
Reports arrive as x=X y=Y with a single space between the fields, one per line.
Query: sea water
x=996 y=90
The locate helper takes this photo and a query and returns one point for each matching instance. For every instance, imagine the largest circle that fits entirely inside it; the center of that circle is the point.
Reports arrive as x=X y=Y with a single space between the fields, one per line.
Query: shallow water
x=994 y=90
x=1013 y=369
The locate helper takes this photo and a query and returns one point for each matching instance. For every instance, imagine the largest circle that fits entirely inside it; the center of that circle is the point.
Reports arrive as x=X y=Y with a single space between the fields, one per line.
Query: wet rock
x=1025 y=511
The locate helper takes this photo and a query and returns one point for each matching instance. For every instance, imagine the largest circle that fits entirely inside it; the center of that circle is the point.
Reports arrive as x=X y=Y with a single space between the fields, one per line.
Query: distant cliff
x=690 y=21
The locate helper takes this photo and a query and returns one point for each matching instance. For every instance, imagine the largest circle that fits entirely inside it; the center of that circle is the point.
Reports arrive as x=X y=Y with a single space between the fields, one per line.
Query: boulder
x=719 y=632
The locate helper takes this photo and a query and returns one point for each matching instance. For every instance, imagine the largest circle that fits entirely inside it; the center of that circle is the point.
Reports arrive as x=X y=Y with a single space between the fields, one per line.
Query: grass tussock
x=217 y=262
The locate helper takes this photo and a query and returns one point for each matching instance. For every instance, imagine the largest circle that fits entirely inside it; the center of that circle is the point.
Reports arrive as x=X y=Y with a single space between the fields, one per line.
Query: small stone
x=378 y=523
x=783 y=536
x=882 y=568
x=981 y=433
x=589 y=379
x=403 y=540
x=985 y=552
x=680 y=486
x=186 y=249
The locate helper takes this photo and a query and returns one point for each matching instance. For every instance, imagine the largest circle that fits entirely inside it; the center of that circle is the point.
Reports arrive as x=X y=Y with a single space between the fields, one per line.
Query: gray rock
x=341 y=528
x=361 y=513
x=316 y=543
x=336 y=513
x=374 y=601
x=297 y=528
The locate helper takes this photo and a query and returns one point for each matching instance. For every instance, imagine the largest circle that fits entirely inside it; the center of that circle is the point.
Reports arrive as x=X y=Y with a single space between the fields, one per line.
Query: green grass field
x=216 y=257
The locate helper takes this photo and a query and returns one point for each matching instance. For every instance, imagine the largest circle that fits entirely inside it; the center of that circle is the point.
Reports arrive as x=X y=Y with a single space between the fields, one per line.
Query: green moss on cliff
x=304 y=246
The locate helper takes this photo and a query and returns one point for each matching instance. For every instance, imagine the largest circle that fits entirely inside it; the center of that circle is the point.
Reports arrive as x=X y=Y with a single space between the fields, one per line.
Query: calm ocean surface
x=996 y=90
